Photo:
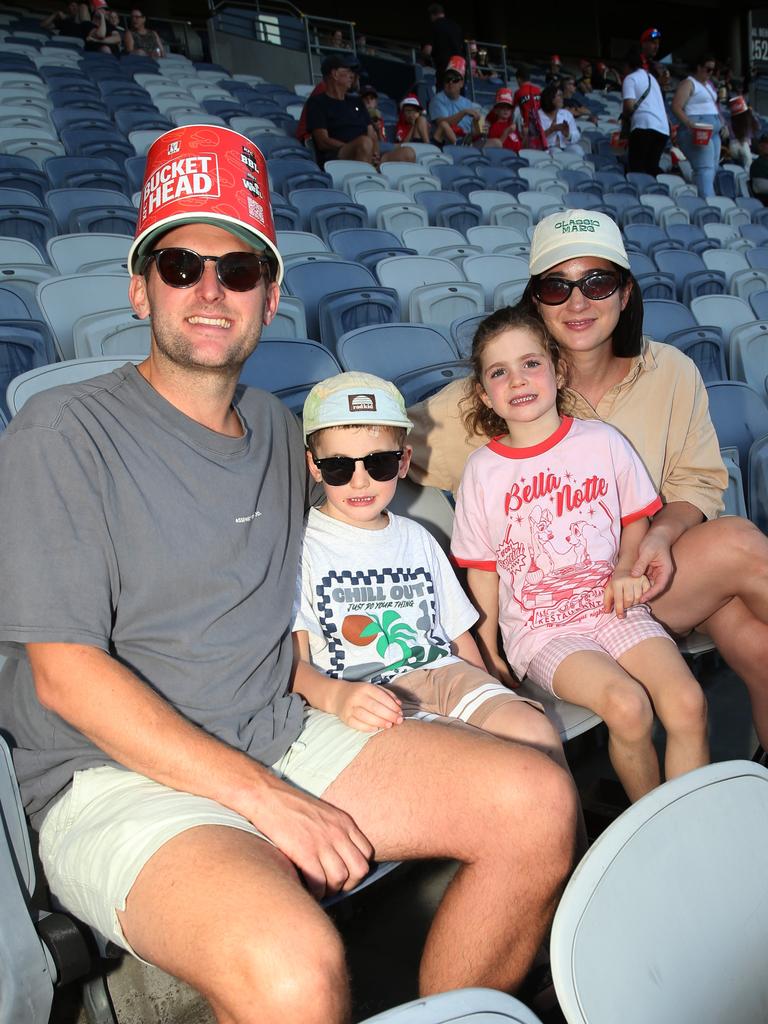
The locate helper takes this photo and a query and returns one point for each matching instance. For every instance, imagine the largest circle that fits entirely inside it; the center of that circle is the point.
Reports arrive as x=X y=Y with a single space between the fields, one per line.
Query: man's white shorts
x=98 y=836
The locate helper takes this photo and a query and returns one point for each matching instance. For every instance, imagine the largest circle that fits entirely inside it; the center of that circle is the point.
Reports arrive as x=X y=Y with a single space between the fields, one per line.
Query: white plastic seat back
x=725 y=260
x=489 y=199
x=665 y=919
x=70 y=253
x=490 y=238
x=492 y=270
x=444 y=303
x=404 y=273
x=724 y=311
x=72 y=371
x=114 y=333
x=63 y=300
x=463 y=1006
x=426 y=240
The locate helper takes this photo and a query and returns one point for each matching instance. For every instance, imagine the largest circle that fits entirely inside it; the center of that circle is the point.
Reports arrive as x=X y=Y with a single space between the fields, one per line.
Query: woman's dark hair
x=475 y=414
x=548 y=97
x=700 y=62
x=627 y=338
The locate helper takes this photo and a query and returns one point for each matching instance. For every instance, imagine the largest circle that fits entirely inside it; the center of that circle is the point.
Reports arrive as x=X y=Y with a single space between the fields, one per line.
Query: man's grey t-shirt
x=131 y=528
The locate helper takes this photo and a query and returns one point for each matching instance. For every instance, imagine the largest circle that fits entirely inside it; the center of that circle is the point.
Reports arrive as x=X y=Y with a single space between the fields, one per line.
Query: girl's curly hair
x=475 y=414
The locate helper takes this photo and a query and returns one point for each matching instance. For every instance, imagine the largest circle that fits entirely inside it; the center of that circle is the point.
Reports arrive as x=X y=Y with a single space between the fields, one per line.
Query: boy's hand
x=624 y=590
x=366 y=707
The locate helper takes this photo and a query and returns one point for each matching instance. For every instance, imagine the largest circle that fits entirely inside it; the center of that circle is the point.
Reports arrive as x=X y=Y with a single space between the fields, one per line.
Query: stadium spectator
x=153 y=658
x=695 y=103
x=74 y=20
x=370 y=98
x=502 y=129
x=142 y=40
x=758 y=171
x=454 y=116
x=584 y=82
x=340 y=125
x=106 y=35
x=425 y=56
x=527 y=100
x=745 y=126
x=605 y=78
x=708 y=573
x=573 y=101
x=301 y=128
x=650 y=40
x=558 y=124
x=555 y=70
x=412 y=125
x=447 y=40
x=644 y=107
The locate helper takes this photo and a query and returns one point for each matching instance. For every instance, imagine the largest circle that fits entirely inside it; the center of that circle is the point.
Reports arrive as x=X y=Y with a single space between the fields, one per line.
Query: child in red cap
x=501 y=124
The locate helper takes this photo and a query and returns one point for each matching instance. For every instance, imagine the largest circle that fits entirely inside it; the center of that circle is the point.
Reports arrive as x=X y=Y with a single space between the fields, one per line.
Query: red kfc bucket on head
x=205 y=174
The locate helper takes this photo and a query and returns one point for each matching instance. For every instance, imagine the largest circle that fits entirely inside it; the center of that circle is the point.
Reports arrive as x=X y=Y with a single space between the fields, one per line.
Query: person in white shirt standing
x=644 y=105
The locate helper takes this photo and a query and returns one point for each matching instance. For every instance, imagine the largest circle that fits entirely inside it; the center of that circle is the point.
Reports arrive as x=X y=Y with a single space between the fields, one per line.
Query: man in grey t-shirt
x=152 y=522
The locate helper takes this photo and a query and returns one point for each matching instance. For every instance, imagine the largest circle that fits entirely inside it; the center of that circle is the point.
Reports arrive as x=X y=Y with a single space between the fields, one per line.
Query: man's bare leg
x=506 y=812
x=224 y=911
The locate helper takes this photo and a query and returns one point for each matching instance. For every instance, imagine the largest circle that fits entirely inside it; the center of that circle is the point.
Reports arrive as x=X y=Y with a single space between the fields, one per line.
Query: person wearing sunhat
x=171 y=773
x=454 y=117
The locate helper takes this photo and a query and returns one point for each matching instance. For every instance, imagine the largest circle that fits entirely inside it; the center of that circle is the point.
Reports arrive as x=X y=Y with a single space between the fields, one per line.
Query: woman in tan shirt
x=708 y=574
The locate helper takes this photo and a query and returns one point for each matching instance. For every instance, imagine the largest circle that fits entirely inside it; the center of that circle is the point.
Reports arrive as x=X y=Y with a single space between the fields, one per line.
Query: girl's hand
x=499 y=668
x=366 y=706
x=623 y=591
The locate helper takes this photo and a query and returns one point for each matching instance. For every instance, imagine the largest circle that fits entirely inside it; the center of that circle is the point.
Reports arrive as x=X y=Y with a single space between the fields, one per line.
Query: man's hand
x=366 y=706
x=322 y=841
x=623 y=591
x=654 y=560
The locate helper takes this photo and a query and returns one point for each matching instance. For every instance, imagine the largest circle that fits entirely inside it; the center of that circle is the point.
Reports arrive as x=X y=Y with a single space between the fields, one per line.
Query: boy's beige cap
x=564 y=236
x=354 y=398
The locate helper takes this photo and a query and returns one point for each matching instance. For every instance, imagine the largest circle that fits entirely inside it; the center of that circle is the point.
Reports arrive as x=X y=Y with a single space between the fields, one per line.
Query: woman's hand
x=624 y=590
x=654 y=560
x=366 y=706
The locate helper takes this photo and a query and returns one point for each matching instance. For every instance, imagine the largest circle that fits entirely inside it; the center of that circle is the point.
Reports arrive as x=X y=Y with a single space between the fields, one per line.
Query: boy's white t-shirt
x=377 y=603
x=548 y=520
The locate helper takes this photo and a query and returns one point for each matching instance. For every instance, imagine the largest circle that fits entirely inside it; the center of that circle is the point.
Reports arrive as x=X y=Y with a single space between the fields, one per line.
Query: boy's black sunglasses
x=597 y=284
x=339 y=469
x=237 y=271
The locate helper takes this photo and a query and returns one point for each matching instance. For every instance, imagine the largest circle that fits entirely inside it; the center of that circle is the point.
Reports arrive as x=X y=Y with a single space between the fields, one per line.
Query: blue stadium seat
x=346 y=310
x=309 y=200
x=628 y=211
x=691 y=275
x=691 y=237
x=705 y=346
x=463 y=333
x=311 y=281
x=288 y=175
x=289 y=369
x=419 y=359
x=457 y=178
x=85 y=172
x=97 y=142
x=698 y=210
x=501 y=178
x=141 y=120
x=352 y=242
x=739 y=415
x=64 y=203
x=449 y=209
x=661 y=317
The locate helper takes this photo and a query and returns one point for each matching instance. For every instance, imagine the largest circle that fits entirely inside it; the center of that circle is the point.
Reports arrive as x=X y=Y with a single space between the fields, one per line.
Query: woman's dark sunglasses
x=181 y=268
x=339 y=469
x=597 y=284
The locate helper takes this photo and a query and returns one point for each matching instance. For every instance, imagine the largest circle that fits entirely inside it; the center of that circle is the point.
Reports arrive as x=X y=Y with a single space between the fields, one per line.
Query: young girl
x=549 y=517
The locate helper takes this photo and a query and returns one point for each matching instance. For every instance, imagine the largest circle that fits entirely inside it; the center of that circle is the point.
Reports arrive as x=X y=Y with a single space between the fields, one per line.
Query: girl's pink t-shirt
x=548 y=520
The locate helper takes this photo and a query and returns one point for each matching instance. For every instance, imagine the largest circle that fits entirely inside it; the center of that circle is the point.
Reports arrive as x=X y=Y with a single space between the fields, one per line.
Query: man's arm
x=134 y=725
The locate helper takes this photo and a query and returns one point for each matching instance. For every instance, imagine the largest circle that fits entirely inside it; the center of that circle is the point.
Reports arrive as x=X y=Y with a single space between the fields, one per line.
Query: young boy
x=381 y=630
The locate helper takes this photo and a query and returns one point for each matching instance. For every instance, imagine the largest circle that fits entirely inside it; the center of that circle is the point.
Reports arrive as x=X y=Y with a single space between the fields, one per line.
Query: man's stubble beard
x=179 y=350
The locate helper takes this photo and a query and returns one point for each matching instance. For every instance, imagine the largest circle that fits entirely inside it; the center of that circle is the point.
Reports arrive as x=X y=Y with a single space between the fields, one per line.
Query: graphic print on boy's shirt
x=548 y=520
x=377 y=604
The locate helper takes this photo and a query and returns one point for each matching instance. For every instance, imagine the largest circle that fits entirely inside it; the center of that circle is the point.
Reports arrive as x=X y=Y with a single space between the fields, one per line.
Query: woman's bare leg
x=721 y=587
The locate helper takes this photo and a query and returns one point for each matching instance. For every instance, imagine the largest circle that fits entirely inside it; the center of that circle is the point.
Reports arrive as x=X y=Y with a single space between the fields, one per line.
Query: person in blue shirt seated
x=453 y=116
